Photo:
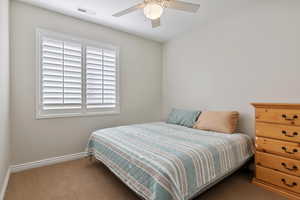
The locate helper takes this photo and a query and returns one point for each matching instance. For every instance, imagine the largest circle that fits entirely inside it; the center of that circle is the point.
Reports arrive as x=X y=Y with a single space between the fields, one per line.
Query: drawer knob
x=284 y=116
x=294 y=168
x=293 y=184
x=285 y=133
x=289 y=152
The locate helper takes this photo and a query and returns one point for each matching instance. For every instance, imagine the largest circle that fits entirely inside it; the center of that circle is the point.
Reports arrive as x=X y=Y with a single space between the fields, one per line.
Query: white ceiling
x=173 y=22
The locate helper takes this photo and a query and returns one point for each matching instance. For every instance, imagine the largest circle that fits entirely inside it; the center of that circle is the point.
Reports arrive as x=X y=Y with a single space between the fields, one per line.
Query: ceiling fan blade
x=155 y=23
x=129 y=10
x=183 y=6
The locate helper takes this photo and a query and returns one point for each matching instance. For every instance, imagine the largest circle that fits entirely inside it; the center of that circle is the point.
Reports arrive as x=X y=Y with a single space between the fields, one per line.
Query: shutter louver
x=101 y=78
x=61 y=74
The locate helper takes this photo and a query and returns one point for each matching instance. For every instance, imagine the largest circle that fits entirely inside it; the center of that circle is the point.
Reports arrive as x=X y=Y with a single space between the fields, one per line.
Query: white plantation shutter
x=101 y=78
x=61 y=75
x=75 y=76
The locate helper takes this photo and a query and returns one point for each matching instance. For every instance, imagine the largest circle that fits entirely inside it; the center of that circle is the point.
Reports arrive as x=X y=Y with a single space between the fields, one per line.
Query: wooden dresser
x=277 y=158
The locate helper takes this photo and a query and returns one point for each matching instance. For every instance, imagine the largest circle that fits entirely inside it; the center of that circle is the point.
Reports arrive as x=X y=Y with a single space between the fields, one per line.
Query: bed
x=161 y=161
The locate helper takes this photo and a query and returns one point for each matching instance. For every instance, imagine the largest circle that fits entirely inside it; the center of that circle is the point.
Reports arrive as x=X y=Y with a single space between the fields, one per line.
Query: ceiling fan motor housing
x=162 y=3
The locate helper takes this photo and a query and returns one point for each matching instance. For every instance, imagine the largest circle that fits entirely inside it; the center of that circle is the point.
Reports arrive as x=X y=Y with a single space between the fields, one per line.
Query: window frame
x=84 y=111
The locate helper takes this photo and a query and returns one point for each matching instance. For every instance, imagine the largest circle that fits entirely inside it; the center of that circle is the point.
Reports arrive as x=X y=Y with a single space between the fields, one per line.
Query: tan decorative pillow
x=219 y=121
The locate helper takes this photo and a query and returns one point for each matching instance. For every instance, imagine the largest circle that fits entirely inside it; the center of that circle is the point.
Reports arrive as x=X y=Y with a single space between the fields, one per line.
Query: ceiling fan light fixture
x=153 y=11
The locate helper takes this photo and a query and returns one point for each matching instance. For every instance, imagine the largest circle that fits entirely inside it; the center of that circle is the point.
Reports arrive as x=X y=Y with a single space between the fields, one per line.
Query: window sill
x=40 y=116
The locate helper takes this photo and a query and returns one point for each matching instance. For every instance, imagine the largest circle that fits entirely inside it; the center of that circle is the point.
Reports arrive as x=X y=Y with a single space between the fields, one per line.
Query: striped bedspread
x=162 y=161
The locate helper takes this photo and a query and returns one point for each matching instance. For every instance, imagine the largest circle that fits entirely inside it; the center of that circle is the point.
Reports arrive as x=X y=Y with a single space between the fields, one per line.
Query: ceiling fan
x=153 y=9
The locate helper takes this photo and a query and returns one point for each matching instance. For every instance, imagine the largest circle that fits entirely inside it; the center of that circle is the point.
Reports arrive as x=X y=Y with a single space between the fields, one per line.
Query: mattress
x=161 y=161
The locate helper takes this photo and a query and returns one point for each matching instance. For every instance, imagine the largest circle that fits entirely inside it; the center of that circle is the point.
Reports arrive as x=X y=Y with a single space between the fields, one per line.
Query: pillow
x=219 y=121
x=183 y=117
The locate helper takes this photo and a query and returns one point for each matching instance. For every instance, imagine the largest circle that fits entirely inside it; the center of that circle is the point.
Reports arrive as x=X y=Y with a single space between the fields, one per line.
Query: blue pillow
x=183 y=117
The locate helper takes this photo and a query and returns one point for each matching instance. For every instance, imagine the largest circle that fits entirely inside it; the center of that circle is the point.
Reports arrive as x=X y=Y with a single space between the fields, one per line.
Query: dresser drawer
x=282 y=116
x=287 y=165
x=286 y=149
x=277 y=131
x=278 y=178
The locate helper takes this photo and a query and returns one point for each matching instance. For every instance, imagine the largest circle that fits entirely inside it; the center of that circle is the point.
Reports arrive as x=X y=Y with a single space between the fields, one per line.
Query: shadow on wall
x=246 y=124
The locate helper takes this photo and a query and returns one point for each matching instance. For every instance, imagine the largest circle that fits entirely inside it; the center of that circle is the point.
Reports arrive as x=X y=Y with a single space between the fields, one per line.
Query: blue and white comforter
x=162 y=161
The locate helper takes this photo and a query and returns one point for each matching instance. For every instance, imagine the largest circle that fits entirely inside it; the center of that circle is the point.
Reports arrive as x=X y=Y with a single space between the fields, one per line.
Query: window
x=75 y=76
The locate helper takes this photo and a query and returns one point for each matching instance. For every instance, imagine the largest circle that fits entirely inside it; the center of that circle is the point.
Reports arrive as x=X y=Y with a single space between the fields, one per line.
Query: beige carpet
x=83 y=180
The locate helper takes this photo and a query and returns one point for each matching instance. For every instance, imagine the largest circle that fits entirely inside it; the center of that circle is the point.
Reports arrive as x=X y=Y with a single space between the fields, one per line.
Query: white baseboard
x=3 y=189
x=46 y=162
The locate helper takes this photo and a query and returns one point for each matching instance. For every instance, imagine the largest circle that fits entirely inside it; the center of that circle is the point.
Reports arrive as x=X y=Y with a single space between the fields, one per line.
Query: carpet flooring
x=85 y=180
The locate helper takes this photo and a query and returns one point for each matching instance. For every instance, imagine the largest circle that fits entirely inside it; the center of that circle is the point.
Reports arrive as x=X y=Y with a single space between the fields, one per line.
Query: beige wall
x=141 y=69
x=4 y=90
x=249 y=56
